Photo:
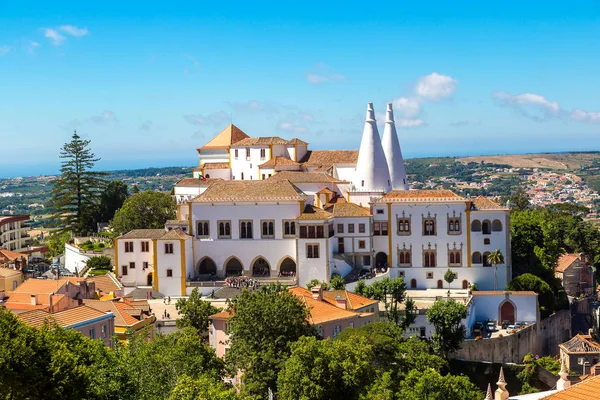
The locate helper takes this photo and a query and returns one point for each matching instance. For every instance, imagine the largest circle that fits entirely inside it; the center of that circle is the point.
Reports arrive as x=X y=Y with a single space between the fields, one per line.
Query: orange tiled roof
x=580 y=344
x=326 y=191
x=63 y=318
x=11 y=255
x=325 y=159
x=354 y=300
x=321 y=311
x=6 y=272
x=104 y=283
x=228 y=136
x=298 y=142
x=279 y=161
x=566 y=260
x=219 y=165
x=314 y=213
x=263 y=190
x=222 y=315
x=122 y=317
x=143 y=234
x=22 y=301
x=262 y=141
x=194 y=182
x=411 y=196
x=586 y=390
x=305 y=177
x=485 y=203
x=174 y=234
x=348 y=210
x=40 y=286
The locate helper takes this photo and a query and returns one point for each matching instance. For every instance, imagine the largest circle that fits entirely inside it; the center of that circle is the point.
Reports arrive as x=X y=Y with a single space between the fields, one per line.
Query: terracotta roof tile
x=40 y=286
x=565 y=261
x=219 y=165
x=177 y=222
x=6 y=272
x=104 y=283
x=279 y=161
x=11 y=255
x=122 y=317
x=65 y=318
x=144 y=234
x=228 y=136
x=195 y=182
x=263 y=190
x=304 y=177
x=411 y=196
x=321 y=311
x=348 y=210
x=326 y=191
x=325 y=159
x=297 y=141
x=485 y=203
x=580 y=344
x=262 y=141
x=586 y=390
x=354 y=300
x=174 y=234
x=314 y=213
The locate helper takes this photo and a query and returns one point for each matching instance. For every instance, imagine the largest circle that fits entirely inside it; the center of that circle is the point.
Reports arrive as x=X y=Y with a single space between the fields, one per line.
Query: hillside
x=555 y=161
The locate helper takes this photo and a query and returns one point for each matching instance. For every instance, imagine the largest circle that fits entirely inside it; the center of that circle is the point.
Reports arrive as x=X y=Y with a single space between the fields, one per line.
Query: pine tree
x=75 y=194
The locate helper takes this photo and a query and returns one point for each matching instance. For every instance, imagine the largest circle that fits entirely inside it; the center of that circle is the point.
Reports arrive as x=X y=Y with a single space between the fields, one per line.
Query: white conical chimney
x=372 y=172
x=393 y=154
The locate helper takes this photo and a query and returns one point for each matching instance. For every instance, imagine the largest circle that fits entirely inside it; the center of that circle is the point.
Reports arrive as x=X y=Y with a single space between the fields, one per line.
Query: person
x=169 y=299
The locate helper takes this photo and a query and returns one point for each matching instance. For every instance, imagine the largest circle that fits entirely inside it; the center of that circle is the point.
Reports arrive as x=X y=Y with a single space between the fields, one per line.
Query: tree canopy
x=145 y=210
x=392 y=292
x=446 y=316
x=194 y=312
x=75 y=192
x=99 y=262
x=111 y=199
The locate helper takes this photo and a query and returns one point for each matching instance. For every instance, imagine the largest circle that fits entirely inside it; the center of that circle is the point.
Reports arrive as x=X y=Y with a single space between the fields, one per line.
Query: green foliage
x=56 y=243
x=337 y=283
x=99 y=262
x=315 y=282
x=265 y=324
x=392 y=292
x=111 y=199
x=430 y=385
x=519 y=200
x=202 y=388
x=74 y=195
x=325 y=369
x=146 y=210
x=446 y=317
x=449 y=277
x=528 y=376
x=531 y=282
x=194 y=312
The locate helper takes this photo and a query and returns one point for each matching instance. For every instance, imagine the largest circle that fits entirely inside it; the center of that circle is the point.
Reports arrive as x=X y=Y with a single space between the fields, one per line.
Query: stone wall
x=542 y=338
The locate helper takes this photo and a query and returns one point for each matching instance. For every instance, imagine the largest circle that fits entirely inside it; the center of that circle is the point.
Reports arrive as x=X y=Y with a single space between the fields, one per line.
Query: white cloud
x=55 y=37
x=583 y=116
x=435 y=87
x=322 y=73
x=4 y=50
x=73 y=30
x=105 y=118
x=217 y=118
x=291 y=127
x=410 y=107
x=410 y=123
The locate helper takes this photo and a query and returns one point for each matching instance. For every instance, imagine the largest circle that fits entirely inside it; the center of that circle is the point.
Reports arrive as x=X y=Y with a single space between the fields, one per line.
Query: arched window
x=243 y=230
x=402 y=257
x=497 y=226
x=227 y=229
x=271 y=229
x=465 y=284
x=427 y=260
x=440 y=284
x=286 y=228
x=452 y=261
x=265 y=228
x=221 y=228
x=413 y=283
x=203 y=228
x=293 y=228
x=476 y=226
x=457 y=257
x=476 y=258
x=486 y=227
x=207 y=176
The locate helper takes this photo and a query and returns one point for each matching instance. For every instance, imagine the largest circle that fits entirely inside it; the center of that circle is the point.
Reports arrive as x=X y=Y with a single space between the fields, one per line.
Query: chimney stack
x=393 y=154
x=50 y=302
x=317 y=292
x=34 y=300
x=341 y=302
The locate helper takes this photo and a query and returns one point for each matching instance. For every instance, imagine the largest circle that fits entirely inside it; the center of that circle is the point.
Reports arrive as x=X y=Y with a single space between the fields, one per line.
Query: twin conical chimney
x=393 y=154
x=372 y=173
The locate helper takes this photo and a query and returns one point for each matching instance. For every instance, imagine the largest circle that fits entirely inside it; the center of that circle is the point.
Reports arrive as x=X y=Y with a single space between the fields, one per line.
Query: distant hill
x=564 y=161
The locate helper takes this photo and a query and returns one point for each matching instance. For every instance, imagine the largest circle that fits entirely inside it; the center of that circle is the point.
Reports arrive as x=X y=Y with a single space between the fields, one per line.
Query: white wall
x=312 y=268
x=74 y=260
x=248 y=167
x=136 y=275
x=487 y=306
x=169 y=286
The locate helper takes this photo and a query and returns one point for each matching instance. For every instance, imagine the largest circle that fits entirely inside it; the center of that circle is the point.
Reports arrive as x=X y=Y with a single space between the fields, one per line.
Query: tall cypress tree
x=75 y=194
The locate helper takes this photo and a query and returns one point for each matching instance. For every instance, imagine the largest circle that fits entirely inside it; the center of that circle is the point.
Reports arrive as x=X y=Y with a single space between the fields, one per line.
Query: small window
x=168 y=248
x=401 y=273
x=248 y=154
x=262 y=154
x=203 y=229
x=361 y=244
x=350 y=228
x=429 y=275
x=289 y=228
x=380 y=211
x=496 y=226
x=145 y=247
x=92 y=333
x=124 y=270
x=267 y=228
x=242 y=176
x=454 y=226
x=486 y=227
x=486 y=241
x=403 y=226
x=169 y=273
x=246 y=229
x=236 y=154
x=429 y=258
x=312 y=251
x=224 y=229
x=128 y=247
x=361 y=228
x=104 y=331
x=366 y=261
x=145 y=265
x=340 y=228
x=429 y=227
x=362 y=183
x=263 y=177
x=131 y=265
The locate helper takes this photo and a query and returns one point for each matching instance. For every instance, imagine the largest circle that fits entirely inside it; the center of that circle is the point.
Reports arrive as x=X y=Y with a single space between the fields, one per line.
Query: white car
x=511 y=328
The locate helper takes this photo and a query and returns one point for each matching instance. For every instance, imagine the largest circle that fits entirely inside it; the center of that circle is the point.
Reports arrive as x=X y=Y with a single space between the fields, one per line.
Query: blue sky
x=149 y=82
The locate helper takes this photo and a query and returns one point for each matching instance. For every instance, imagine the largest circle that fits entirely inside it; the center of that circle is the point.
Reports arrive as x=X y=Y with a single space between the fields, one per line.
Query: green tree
x=262 y=329
x=194 y=312
x=135 y=189
x=75 y=192
x=519 y=200
x=99 y=262
x=56 y=243
x=202 y=388
x=146 y=210
x=315 y=282
x=530 y=282
x=446 y=316
x=496 y=257
x=392 y=292
x=111 y=199
x=337 y=283
x=449 y=277
x=430 y=385
x=325 y=369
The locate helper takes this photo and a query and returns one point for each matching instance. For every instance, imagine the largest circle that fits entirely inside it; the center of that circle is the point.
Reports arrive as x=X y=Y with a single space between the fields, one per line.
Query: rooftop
x=580 y=344
x=40 y=286
x=304 y=177
x=228 y=136
x=324 y=159
x=585 y=390
x=485 y=203
x=144 y=234
x=263 y=190
x=425 y=196
x=314 y=213
x=262 y=141
x=104 y=283
x=11 y=255
x=65 y=318
x=566 y=260
x=347 y=210
x=218 y=165
x=7 y=272
x=279 y=161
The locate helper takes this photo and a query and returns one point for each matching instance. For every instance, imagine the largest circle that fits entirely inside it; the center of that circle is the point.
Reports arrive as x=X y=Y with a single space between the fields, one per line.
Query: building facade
x=13 y=233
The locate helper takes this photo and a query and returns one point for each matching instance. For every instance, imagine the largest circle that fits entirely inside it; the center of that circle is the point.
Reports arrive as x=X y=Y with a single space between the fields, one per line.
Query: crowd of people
x=290 y=274
x=242 y=282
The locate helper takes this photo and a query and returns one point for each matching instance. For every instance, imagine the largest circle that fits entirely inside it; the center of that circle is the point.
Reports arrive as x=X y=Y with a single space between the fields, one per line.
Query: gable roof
x=7 y=272
x=485 y=203
x=11 y=255
x=585 y=390
x=40 y=286
x=353 y=300
x=262 y=141
x=321 y=311
x=174 y=234
x=580 y=344
x=304 y=177
x=314 y=213
x=119 y=309
x=195 y=182
x=425 y=196
x=279 y=161
x=347 y=210
x=215 y=165
x=263 y=190
x=65 y=318
x=228 y=136
x=565 y=261
x=143 y=234
x=324 y=159
x=105 y=283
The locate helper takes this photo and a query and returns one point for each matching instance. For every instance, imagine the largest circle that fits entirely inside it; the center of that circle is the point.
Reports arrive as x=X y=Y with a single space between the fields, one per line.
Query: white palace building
x=270 y=208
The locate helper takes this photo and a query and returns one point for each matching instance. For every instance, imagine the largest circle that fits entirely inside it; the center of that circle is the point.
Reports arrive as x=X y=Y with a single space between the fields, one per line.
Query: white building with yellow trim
x=270 y=208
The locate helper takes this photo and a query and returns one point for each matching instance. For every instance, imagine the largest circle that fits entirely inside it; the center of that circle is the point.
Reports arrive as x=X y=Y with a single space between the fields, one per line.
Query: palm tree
x=496 y=257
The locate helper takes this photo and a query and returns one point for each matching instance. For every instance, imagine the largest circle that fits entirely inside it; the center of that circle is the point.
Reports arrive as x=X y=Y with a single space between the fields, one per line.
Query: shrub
x=99 y=262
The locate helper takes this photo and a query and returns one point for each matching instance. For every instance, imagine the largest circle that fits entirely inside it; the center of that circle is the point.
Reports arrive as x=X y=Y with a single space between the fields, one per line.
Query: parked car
x=364 y=274
x=511 y=328
x=505 y=324
x=519 y=325
x=491 y=326
x=477 y=328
